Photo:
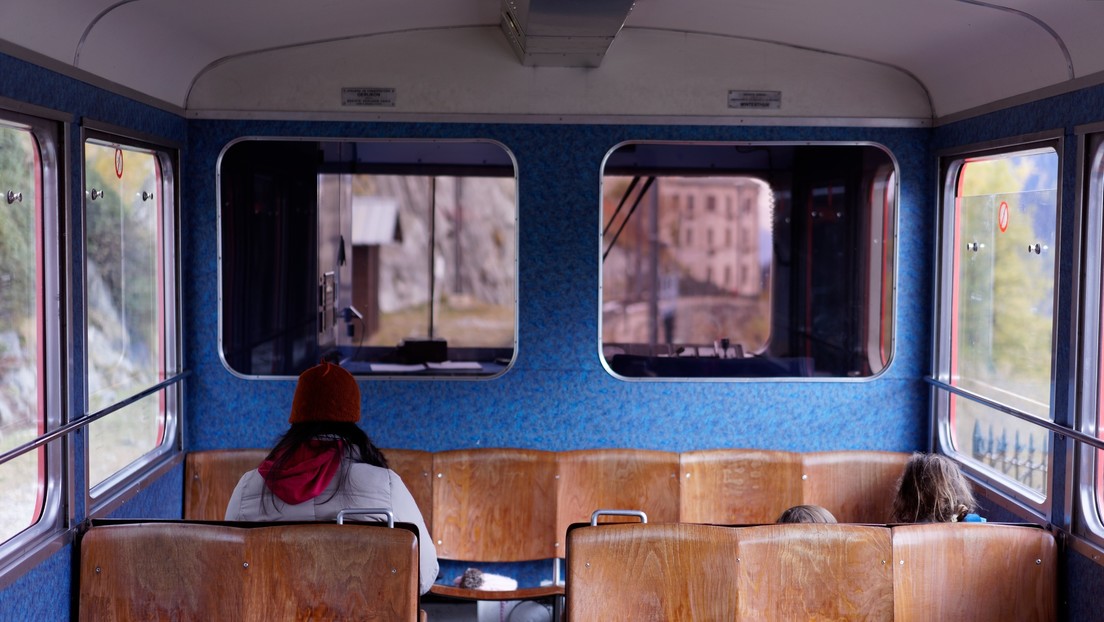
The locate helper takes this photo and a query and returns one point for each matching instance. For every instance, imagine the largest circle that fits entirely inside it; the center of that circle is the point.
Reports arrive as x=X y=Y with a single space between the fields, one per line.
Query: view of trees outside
x=474 y=259
x=123 y=303
x=690 y=266
x=19 y=331
x=1004 y=301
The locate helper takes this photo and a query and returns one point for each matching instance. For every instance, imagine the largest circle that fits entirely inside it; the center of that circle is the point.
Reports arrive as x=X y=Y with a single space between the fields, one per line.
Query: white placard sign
x=367 y=96
x=754 y=99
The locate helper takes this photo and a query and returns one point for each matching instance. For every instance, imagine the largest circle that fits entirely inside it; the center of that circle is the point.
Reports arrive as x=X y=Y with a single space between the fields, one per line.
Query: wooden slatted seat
x=636 y=479
x=855 y=486
x=973 y=571
x=738 y=486
x=415 y=468
x=815 y=572
x=667 y=572
x=172 y=570
x=501 y=508
x=331 y=572
x=162 y=571
x=210 y=477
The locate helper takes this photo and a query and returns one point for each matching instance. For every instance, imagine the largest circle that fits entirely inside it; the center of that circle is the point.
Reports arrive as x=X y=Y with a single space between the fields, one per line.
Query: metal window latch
x=96 y=194
x=14 y=196
x=146 y=196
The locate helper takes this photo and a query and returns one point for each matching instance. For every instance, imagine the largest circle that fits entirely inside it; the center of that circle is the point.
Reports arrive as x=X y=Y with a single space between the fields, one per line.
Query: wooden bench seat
x=489 y=505
x=495 y=505
x=211 y=475
x=973 y=571
x=174 y=570
x=698 y=573
x=657 y=571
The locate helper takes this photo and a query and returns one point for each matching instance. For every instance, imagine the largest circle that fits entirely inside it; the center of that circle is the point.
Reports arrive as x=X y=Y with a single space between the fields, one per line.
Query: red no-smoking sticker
x=1002 y=216
x=119 y=163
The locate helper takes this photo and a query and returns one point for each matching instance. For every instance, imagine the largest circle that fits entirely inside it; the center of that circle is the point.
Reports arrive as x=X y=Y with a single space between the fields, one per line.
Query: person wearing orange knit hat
x=325 y=463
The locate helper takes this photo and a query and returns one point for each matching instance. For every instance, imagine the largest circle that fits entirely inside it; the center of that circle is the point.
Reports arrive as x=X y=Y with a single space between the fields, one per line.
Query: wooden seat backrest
x=331 y=572
x=210 y=477
x=191 y=571
x=615 y=479
x=855 y=486
x=161 y=571
x=973 y=571
x=652 y=572
x=815 y=572
x=738 y=486
x=502 y=504
x=415 y=468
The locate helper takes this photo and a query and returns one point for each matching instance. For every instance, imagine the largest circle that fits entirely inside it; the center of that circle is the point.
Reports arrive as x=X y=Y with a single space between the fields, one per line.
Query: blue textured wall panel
x=558 y=396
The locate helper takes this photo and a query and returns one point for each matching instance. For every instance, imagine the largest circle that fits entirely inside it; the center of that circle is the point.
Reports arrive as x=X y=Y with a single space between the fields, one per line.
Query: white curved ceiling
x=946 y=56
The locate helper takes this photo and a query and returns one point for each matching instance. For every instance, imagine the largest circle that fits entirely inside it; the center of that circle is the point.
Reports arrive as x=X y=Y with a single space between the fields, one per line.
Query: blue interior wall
x=558 y=396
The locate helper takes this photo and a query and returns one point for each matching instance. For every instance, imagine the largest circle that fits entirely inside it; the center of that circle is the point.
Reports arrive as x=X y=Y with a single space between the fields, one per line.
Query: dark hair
x=806 y=514
x=358 y=447
x=932 y=489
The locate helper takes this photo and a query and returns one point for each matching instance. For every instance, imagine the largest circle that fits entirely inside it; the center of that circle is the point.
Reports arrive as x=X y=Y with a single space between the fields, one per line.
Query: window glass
x=392 y=258
x=125 y=302
x=1092 y=421
x=465 y=294
x=747 y=261
x=22 y=479
x=719 y=289
x=1001 y=286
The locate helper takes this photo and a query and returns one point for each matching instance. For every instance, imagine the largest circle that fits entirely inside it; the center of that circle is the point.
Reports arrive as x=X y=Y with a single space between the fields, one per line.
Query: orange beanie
x=326 y=393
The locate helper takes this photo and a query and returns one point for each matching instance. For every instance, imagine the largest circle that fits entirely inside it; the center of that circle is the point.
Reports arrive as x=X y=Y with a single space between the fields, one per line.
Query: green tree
x=1005 y=298
x=17 y=232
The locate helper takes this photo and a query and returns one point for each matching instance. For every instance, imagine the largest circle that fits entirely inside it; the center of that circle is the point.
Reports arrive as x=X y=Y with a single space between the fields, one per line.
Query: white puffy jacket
x=365 y=486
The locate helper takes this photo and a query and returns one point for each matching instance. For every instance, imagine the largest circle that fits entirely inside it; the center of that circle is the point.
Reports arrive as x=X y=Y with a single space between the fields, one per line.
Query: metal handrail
x=1058 y=429
x=58 y=432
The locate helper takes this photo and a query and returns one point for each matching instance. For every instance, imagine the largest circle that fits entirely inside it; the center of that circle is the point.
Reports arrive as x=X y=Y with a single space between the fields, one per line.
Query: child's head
x=806 y=514
x=932 y=490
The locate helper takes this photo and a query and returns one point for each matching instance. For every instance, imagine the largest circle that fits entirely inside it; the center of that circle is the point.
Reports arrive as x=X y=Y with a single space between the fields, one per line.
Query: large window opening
x=32 y=478
x=996 y=324
x=391 y=258
x=130 y=309
x=22 y=397
x=748 y=261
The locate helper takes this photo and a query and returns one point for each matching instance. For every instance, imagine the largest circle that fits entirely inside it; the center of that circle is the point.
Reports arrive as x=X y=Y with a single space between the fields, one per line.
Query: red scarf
x=306 y=473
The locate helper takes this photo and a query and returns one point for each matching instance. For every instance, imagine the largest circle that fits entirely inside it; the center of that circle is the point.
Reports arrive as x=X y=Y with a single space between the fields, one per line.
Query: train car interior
x=703 y=260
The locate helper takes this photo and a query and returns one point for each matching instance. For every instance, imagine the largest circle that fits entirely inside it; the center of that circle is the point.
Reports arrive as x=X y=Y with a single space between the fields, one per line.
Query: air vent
x=563 y=33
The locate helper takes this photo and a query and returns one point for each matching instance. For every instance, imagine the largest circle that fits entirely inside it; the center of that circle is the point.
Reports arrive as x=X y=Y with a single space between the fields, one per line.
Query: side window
x=793 y=277
x=130 y=327
x=1091 y=493
x=31 y=484
x=997 y=282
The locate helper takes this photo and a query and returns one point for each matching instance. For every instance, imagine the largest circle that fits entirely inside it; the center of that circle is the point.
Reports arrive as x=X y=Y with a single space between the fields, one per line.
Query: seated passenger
x=324 y=463
x=932 y=489
x=806 y=514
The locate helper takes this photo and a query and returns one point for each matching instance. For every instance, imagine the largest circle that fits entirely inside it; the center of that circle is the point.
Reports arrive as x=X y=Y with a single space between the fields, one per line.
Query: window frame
x=686 y=239
x=103 y=497
x=404 y=156
x=52 y=529
x=950 y=165
x=1087 y=515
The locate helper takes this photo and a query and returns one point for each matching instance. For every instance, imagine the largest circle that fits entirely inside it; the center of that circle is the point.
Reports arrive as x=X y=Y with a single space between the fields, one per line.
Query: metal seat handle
x=637 y=513
x=366 y=511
